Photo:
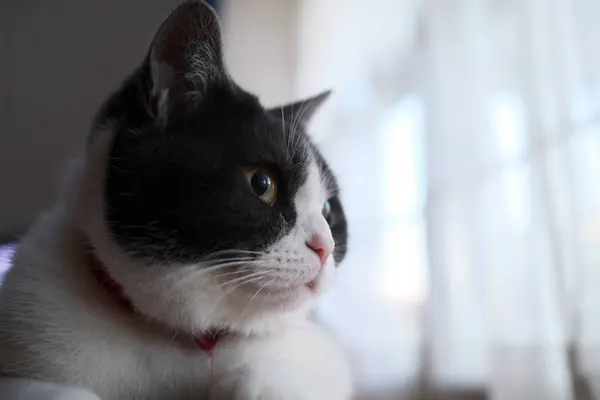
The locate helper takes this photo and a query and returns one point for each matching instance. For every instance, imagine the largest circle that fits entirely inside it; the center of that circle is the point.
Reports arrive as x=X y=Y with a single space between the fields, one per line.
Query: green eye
x=262 y=183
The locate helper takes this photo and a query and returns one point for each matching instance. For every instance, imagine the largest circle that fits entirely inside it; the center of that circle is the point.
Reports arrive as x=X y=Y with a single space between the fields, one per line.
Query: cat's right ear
x=185 y=56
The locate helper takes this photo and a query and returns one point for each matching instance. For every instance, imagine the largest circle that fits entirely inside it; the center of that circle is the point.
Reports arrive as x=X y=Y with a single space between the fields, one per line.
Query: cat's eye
x=326 y=209
x=262 y=182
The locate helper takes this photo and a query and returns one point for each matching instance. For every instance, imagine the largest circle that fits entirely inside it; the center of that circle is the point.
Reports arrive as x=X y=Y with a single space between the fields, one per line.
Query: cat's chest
x=151 y=372
x=119 y=359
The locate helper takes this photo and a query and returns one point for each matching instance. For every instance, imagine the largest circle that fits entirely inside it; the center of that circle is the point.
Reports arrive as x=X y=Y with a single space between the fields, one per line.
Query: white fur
x=58 y=325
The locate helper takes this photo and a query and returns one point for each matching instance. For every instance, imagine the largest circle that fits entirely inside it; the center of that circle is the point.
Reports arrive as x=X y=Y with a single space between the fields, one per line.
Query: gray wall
x=61 y=58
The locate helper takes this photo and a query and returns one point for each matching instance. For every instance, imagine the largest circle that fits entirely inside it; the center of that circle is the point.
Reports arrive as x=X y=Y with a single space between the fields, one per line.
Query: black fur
x=175 y=186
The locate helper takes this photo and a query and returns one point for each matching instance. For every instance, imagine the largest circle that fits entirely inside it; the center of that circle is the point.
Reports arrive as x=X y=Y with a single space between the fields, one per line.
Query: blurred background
x=466 y=136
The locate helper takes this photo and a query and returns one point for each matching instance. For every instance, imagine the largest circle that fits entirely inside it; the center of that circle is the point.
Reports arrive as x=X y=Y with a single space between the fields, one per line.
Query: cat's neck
x=206 y=339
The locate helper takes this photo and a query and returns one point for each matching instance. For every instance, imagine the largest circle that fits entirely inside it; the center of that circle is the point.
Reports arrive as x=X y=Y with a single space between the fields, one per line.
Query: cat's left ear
x=302 y=110
x=186 y=55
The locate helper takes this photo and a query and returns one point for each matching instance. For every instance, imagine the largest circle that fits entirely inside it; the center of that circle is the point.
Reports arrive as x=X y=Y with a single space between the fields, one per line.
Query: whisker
x=173 y=338
x=305 y=106
x=256 y=294
x=251 y=275
x=292 y=131
x=229 y=290
x=234 y=272
x=196 y=272
x=231 y=252
x=265 y=299
x=227 y=260
x=210 y=268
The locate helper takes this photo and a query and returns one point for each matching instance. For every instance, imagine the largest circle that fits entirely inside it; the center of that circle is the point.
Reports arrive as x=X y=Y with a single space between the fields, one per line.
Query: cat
x=182 y=257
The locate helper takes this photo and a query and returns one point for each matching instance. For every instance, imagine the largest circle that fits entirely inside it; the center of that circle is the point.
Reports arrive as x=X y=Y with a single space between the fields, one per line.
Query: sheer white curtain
x=512 y=93
x=473 y=195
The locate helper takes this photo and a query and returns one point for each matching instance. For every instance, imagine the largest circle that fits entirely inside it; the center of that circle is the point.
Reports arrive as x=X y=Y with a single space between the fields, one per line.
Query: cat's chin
x=281 y=297
x=284 y=296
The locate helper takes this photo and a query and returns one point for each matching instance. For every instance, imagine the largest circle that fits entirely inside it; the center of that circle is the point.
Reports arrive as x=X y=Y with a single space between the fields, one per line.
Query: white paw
x=29 y=389
x=71 y=394
x=250 y=390
x=271 y=386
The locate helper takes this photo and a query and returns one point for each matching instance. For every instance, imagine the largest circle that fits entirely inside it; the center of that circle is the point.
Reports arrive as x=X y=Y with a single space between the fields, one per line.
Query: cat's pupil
x=260 y=183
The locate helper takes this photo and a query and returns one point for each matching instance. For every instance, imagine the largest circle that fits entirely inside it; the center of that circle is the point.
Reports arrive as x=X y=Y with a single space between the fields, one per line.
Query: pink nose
x=322 y=246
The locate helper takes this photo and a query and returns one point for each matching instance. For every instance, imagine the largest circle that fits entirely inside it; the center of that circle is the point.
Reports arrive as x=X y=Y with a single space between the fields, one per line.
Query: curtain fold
x=508 y=98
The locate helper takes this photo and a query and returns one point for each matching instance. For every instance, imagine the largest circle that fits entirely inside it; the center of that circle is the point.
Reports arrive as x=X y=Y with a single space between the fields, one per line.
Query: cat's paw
x=250 y=389
x=71 y=394
x=29 y=389
x=272 y=385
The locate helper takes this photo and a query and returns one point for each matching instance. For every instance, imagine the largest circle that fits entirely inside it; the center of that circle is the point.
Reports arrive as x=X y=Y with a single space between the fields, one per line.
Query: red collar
x=206 y=341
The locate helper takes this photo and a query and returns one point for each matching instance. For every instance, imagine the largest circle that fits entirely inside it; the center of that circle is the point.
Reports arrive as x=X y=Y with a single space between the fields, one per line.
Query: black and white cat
x=181 y=259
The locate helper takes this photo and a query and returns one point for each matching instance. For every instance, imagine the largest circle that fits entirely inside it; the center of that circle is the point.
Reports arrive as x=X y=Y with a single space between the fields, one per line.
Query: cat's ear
x=302 y=110
x=186 y=54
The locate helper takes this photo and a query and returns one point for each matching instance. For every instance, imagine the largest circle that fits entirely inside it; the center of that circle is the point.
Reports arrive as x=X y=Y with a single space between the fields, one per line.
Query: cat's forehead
x=244 y=130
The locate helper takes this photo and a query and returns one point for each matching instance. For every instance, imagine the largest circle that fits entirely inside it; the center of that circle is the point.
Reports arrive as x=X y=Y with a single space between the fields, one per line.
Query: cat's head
x=209 y=209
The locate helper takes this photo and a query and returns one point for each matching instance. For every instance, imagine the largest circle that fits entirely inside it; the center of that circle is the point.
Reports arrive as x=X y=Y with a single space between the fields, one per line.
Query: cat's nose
x=322 y=245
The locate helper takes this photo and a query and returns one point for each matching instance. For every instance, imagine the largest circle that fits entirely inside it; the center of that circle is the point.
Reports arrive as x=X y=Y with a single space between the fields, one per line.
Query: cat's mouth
x=289 y=289
x=281 y=289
